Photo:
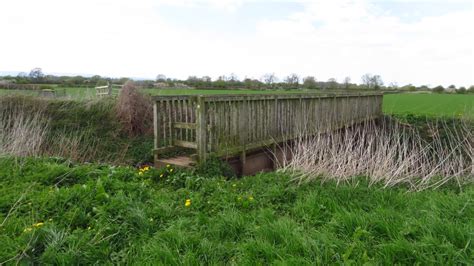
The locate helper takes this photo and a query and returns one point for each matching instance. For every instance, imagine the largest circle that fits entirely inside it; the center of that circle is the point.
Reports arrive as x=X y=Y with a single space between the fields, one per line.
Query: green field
x=404 y=103
x=65 y=93
x=429 y=104
x=55 y=212
x=213 y=92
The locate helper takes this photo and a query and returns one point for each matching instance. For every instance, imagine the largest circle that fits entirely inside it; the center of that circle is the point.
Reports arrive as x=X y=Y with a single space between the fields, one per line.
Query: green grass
x=96 y=214
x=90 y=93
x=404 y=103
x=68 y=93
x=214 y=92
x=429 y=104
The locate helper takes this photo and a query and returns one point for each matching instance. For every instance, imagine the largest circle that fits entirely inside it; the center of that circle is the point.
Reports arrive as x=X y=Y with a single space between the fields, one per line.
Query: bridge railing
x=228 y=125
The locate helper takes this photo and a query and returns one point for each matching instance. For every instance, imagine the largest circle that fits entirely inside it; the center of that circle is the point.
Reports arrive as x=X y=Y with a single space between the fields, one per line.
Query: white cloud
x=327 y=39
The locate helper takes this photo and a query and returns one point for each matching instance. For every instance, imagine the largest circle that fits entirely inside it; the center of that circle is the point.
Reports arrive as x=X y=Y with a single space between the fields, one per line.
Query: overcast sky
x=419 y=42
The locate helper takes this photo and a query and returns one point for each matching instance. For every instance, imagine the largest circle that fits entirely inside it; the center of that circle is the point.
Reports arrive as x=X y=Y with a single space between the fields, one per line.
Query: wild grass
x=84 y=131
x=387 y=152
x=22 y=133
x=98 y=214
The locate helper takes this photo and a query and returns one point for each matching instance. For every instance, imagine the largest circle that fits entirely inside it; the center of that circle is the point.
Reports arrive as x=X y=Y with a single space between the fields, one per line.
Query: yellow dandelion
x=168 y=166
x=28 y=229
x=171 y=170
x=161 y=175
x=38 y=224
x=140 y=173
x=187 y=203
x=250 y=198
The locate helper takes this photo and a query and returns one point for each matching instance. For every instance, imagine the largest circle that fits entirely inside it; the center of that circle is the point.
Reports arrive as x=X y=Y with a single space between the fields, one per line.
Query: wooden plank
x=185 y=144
x=183 y=125
x=156 y=128
x=201 y=129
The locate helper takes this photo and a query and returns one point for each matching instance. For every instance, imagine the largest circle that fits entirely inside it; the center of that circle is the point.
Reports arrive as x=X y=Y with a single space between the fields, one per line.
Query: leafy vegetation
x=55 y=212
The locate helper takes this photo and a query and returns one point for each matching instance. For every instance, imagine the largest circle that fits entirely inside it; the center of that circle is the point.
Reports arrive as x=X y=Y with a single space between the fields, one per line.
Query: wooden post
x=110 y=88
x=156 y=129
x=201 y=128
x=243 y=161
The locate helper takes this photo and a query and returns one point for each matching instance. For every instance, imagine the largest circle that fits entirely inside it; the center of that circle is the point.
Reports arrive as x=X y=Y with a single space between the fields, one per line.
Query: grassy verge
x=87 y=131
x=55 y=212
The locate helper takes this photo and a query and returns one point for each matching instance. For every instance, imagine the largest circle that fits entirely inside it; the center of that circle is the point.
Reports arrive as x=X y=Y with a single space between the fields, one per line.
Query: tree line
x=266 y=81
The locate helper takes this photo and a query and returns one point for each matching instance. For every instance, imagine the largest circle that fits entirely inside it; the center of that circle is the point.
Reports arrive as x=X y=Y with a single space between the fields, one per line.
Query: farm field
x=56 y=212
x=429 y=104
x=403 y=103
x=66 y=93
x=90 y=93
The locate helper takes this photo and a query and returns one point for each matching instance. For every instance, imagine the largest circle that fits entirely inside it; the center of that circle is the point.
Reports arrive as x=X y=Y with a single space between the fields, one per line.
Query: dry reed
x=22 y=131
x=386 y=152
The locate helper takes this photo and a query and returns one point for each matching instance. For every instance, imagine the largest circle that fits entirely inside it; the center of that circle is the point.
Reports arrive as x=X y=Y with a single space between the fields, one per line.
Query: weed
x=98 y=214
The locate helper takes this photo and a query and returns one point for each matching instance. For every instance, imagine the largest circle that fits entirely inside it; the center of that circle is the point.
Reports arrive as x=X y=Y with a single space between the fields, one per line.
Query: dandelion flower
x=38 y=224
x=28 y=229
x=161 y=175
x=168 y=166
x=140 y=173
x=187 y=203
x=250 y=198
x=171 y=170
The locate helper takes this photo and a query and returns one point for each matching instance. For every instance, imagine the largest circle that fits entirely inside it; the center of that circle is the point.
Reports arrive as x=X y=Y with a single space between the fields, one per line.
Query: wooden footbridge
x=243 y=128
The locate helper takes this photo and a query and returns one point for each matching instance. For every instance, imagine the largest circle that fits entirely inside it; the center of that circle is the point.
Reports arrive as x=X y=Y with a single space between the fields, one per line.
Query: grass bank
x=86 y=131
x=55 y=212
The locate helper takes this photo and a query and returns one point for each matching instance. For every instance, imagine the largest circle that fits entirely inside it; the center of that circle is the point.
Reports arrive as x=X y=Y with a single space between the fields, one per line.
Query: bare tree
x=372 y=81
x=233 y=77
x=347 y=82
x=269 y=78
x=160 y=78
x=292 y=80
x=393 y=85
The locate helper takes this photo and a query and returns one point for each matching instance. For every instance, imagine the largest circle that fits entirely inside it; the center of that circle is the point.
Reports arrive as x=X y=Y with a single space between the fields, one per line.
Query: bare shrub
x=134 y=111
x=386 y=152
